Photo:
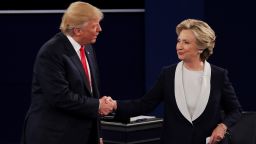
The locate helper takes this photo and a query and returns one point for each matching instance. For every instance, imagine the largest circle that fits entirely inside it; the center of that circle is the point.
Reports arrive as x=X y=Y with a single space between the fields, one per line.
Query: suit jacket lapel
x=76 y=60
x=80 y=68
x=179 y=93
x=91 y=62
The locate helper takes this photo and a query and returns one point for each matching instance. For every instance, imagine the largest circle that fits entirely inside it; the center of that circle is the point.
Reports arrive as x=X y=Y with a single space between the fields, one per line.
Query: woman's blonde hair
x=205 y=36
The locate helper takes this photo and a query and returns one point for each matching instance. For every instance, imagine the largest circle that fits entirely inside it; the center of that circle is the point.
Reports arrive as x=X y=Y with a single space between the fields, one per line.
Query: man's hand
x=107 y=105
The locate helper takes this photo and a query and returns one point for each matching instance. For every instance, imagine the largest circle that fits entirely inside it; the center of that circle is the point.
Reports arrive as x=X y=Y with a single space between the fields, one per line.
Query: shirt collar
x=75 y=44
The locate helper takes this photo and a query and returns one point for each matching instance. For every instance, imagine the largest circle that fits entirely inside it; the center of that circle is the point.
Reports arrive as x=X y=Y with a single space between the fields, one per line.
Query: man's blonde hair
x=77 y=14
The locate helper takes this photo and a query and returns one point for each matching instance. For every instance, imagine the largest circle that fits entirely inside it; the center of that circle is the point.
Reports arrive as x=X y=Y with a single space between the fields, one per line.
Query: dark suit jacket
x=176 y=128
x=63 y=110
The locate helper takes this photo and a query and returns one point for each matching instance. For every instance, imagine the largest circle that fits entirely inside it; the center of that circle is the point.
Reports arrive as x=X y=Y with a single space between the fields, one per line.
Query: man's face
x=89 y=31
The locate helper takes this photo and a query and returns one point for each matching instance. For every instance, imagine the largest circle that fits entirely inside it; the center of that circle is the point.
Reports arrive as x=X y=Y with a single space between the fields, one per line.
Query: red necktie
x=83 y=60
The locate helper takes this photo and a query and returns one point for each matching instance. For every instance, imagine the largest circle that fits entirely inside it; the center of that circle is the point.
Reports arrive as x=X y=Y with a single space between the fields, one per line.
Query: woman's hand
x=218 y=133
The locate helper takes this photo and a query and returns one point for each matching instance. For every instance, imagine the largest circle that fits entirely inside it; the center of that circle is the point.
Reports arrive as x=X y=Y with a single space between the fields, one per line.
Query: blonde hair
x=205 y=36
x=77 y=14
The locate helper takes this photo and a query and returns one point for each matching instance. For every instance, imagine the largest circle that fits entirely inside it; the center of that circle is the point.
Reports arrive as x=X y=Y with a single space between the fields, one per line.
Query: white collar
x=75 y=44
x=204 y=94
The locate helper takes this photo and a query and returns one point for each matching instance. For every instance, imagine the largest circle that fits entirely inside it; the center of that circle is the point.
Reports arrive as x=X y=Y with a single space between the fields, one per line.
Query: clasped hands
x=107 y=105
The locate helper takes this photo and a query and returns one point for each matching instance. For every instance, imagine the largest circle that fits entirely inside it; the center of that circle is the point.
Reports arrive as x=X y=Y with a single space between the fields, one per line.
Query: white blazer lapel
x=179 y=93
x=205 y=91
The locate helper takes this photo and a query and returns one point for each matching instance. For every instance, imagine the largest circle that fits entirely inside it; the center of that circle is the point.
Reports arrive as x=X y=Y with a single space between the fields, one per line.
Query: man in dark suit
x=65 y=104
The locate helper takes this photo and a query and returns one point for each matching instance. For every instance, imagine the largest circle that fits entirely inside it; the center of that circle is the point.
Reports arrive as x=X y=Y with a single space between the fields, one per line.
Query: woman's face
x=187 y=49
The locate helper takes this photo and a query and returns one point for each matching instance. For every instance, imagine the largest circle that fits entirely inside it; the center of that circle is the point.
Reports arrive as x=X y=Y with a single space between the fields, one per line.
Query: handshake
x=107 y=105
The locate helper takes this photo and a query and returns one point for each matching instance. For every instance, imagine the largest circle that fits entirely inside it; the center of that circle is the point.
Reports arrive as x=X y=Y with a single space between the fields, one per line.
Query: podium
x=244 y=131
x=139 y=132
